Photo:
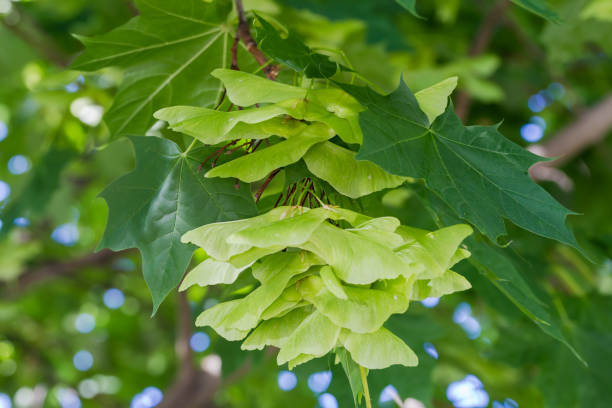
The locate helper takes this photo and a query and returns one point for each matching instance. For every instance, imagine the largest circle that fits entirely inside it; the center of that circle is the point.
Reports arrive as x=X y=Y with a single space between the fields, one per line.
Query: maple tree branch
x=244 y=33
x=51 y=270
x=588 y=129
x=479 y=45
x=26 y=28
x=192 y=388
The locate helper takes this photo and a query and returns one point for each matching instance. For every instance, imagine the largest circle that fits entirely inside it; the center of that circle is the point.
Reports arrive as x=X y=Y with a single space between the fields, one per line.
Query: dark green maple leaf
x=409 y=5
x=161 y=199
x=540 y=8
x=163 y=50
x=498 y=267
x=293 y=52
x=475 y=170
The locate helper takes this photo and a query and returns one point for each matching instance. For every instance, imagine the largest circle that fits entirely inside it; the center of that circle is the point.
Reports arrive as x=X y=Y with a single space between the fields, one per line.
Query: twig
x=479 y=45
x=261 y=189
x=235 y=54
x=221 y=99
x=588 y=129
x=192 y=388
x=244 y=33
x=51 y=270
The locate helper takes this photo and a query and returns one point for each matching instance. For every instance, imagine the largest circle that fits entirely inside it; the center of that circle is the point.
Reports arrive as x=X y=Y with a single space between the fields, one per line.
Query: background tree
x=75 y=324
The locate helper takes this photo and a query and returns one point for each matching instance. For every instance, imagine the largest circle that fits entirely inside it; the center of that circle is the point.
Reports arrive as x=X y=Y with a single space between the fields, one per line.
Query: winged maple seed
x=339 y=283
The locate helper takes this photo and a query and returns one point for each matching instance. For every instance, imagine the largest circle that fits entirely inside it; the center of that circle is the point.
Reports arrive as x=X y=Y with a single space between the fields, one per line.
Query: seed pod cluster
x=328 y=277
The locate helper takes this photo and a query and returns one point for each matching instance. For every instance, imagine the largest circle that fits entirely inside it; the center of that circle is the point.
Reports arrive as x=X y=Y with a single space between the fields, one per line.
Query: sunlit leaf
x=332 y=106
x=348 y=176
x=274 y=332
x=353 y=258
x=363 y=311
x=434 y=251
x=379 y=349
x=315 y=336
x=255 y=166
x=434 y=99
x=211 y=272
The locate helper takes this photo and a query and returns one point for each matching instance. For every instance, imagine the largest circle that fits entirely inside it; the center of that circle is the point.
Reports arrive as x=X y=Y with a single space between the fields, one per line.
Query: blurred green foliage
x=49 y=277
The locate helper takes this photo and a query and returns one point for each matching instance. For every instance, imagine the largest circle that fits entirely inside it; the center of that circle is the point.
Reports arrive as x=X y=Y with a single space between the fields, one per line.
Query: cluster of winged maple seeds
x=329 y=277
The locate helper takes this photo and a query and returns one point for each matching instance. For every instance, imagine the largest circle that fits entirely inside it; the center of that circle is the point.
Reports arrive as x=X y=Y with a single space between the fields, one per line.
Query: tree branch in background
x=588 y=129
x=244 y=33
x=479 y=45
x=52 y=270
x=24 y=27
x=193 y=387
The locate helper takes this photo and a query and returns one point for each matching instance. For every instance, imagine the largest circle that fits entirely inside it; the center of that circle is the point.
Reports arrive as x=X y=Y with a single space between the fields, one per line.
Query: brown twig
x=261 y=189
x=221 y=99
x=479 y=45
x=37 y=275
x=244 y=33
x=192 y=388
x=588 y=129
x=235 y=54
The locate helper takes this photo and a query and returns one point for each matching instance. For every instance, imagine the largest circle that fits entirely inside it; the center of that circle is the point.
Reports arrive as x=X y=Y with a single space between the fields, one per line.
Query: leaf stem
x=366 y=390
x=193 y=143
x=247 y=39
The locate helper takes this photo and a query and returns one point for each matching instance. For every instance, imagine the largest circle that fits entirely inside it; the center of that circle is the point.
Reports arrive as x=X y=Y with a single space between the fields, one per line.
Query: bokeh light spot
x=327 y=400
x=462 y=312
x=463 y=317
x=82 y=360
x=531 y=132
x=536 y=103
x=89 y=388
x=24 y=397
x=66 y=234
x=319 y=382
x=148 y=398
x=18 y=164
x=467 y=393
x=3 y=130
x=431 y=350
x=5 y=190
x=538 y=120
x=430 y=302
x=508 y=403
x=387 y=394
x=84 y=323
x=68 y=398
x=21 y=222
x=85 y=110
x=113 y=298
x=199 y=342
x=286 y=380
x=5 y=401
